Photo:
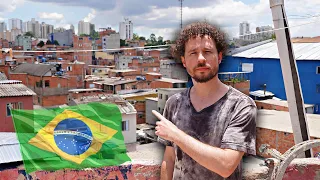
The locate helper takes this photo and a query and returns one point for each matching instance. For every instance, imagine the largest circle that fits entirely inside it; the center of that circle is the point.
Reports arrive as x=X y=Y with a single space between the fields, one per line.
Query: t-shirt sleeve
x=240 y=134
x=167 y=113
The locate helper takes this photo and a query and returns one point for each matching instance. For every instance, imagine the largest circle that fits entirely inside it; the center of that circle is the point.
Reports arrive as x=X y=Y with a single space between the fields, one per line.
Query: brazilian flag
x=76 y=137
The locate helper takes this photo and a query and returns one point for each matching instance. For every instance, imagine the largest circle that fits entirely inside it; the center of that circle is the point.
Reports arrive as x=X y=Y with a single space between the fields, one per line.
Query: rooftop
x=9 y=148
x=84 y=90
x=154 y=74
x=33 y=69
x=260 y=93
x=122 y=70
x=302 y=51
x=13 y=88
x=115 y=81
x=3 y=77
x=152 y=99
x=280 y=103
x=124 y=106
x=136 y=93
x=171 y=80
x=171 y=89
x=280 y=121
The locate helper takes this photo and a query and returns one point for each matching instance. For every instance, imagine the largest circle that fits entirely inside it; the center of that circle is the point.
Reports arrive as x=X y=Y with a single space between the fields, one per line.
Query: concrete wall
x=64 y=38
x=151 y=105
x=111 y=41
x=130 y=136
x=163 y=96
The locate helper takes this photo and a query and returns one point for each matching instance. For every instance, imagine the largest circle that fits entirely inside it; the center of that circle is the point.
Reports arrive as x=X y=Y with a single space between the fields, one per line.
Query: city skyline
x=161 y=18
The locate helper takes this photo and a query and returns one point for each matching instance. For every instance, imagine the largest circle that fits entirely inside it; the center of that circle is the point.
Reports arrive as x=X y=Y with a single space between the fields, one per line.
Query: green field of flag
x=75 y=137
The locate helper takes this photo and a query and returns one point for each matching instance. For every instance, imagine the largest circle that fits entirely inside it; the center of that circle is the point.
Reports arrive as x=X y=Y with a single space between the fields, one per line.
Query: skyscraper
x=84 y=28
x=244 y=28
x=3 y=27
x=44 y=30
x=126 y=29
x=72 y=28
x=15 y=23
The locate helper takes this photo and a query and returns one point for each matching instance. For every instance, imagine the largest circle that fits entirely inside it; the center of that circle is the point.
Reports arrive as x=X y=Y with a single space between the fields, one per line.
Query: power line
x=272 y=30
x=98 y=50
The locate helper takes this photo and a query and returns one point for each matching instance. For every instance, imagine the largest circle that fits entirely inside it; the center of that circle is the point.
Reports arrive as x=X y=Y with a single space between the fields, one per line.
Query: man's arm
x=168 y=163
x=220 y=161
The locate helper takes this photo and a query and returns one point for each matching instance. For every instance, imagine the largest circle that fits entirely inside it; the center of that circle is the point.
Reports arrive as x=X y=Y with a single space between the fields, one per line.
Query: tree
x=123 y=43
x=160 y=40
x=273 y=36
x=153 y=39
x=94 y=35
x=135 y=36
x=56 y=42
x=82 y=35
x=40 y=44
x=142 y=38
x=48 y=42
x=29 y=33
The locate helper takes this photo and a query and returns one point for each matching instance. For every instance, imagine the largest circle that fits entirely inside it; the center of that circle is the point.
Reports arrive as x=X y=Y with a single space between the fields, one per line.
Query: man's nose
x=201 y=58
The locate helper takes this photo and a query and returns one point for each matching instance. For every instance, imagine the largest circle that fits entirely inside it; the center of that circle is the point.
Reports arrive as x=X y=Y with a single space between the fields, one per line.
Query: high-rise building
x=50 y=28
x=244 y=28
x=25 y=27
x=34 y=27
x=15 y=23
x=84 y=28
x=3 y=27
x=59 y=29
x=92 y=28
x=15 y=32
x=44 y=30
x=72 y=28
x=126 y=29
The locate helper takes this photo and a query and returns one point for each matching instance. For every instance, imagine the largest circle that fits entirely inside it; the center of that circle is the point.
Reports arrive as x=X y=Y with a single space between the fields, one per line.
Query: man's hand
x=164 y=173
x=165 y=128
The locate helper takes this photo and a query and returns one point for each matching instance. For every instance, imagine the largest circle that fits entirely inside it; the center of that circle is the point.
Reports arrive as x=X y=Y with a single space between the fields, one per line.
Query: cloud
x=90 y=16
x=9 y=6
x=51 y=16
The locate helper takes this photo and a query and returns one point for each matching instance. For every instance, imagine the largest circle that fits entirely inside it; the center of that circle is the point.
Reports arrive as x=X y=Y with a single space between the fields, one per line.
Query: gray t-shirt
x=230 y=123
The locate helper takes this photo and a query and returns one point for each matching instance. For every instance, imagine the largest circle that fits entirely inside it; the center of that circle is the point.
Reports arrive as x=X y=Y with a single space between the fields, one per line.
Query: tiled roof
x=3 y=77
x=14 y=89
x=33 y=69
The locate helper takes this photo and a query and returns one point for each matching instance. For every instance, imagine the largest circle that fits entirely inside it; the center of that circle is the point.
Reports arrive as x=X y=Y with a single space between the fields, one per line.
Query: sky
x=162 y=17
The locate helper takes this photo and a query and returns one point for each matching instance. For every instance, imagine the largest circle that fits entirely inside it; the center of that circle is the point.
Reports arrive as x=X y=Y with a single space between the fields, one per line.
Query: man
x=209 y=126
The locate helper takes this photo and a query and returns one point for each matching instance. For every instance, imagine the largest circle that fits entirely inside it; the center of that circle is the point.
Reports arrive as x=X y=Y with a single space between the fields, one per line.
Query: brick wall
x=243 y=87
x=161 y=84
x=262 y=105
x=6 y=121
x=280 y=141
x=140 y=107
x=83 y=43
x=48 y=101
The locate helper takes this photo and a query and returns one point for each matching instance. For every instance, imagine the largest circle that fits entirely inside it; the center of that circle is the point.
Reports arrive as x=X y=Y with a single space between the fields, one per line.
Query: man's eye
x=193 y=53
x=208 y=51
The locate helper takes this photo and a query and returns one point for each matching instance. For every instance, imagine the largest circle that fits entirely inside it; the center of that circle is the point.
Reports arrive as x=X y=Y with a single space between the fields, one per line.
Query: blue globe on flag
x=73 y=136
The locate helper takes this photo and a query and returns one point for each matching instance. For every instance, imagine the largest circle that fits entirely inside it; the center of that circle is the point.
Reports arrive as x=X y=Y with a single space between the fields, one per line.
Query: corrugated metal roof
x=9 y=90
x=3 y=77
x=302 y=51
x=9 y=148
x=33 y=69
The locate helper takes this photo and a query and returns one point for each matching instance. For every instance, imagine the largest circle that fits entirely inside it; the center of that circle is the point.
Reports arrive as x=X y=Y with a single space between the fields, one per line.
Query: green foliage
x=142 y=38
x=48 y=42
x=40 y=44
x=29 y=33
x=123 y=43
x=84 y=35
x=56 y=42
x=274 y=36
x=135 y=36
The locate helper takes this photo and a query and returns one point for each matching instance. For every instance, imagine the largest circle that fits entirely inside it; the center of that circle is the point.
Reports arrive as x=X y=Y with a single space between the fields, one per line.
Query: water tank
x=43 y=60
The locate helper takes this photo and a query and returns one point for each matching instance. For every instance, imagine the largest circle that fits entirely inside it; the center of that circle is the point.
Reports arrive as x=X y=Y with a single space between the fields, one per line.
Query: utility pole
x=290 y=75
x=181 y=13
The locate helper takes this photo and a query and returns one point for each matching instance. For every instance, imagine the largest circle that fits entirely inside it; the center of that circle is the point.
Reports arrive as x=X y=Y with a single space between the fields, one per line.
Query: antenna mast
x=181 y=12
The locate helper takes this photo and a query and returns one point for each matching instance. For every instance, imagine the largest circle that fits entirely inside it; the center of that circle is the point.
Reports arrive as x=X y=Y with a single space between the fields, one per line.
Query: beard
x=203 y=77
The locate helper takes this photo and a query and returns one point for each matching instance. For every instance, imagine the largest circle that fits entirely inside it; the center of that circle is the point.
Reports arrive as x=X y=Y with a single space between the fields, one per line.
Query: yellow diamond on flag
x=83 y=139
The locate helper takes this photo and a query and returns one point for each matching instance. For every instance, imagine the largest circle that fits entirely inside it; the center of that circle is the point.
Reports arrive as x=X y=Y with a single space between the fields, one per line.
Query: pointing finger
x=158 y=115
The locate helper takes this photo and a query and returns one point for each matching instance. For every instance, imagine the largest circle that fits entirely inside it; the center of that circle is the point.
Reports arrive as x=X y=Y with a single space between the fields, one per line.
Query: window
x=167 y=97
x=140 y=115
x=59 y=85
x=134 y=87
x=39 y=84
x=46 y=83
x=160 y=96
x=125 y=125
x=69 y=68
x=145 y=69
x=123 y=86
x=15 y=105
x=318 y=88
x=318 y=69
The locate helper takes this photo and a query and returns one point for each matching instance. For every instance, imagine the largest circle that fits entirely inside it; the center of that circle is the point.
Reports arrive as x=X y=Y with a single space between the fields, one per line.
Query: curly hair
x=199 y=28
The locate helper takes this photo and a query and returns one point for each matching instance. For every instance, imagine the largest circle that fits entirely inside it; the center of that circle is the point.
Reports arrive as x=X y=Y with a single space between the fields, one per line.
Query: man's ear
x=220 y=57
x=183 y=61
